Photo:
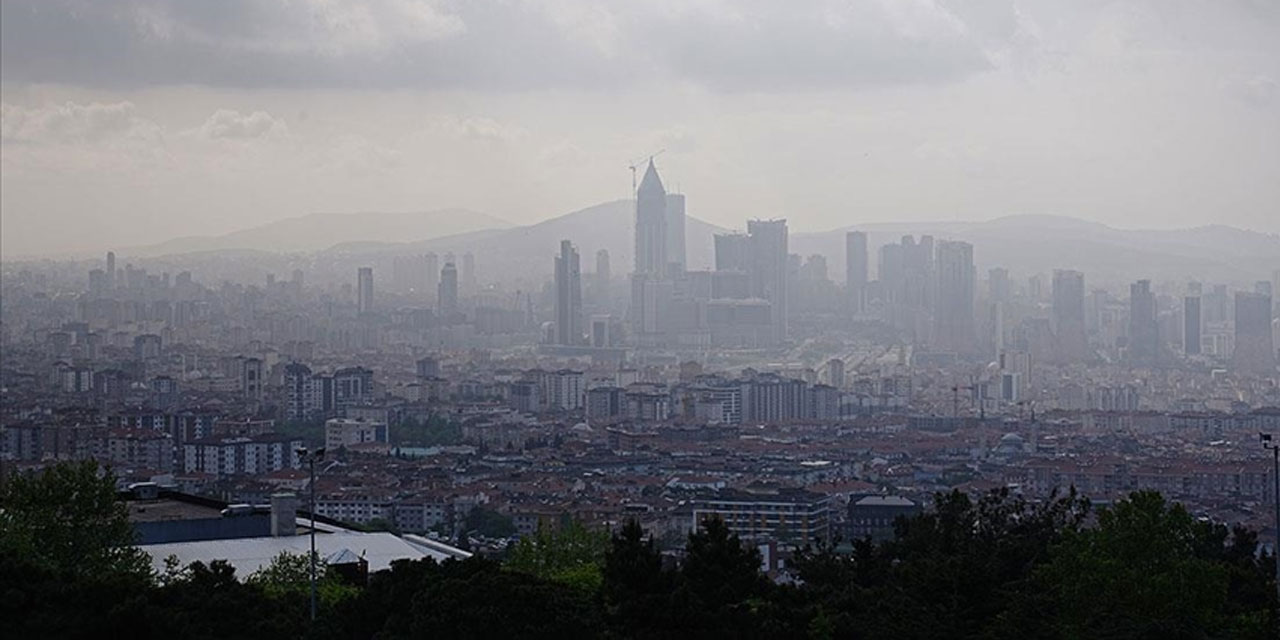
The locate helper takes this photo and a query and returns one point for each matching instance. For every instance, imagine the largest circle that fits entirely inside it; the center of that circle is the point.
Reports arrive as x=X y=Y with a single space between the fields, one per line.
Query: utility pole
x=310 y=457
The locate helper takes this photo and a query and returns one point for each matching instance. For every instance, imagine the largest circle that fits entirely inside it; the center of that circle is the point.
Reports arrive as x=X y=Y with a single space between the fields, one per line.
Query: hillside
x=529 y=250
x=1038 y=244
x=318 y=231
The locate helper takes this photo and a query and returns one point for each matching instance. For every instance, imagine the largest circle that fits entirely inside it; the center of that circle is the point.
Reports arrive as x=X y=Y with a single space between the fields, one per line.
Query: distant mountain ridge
x=528 y=249
x=1025 y=244
x=318 y=231
x=1039 y=244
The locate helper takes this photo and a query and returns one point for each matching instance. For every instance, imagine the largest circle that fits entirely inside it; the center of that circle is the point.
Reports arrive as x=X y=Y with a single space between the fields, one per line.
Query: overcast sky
x=128 y=123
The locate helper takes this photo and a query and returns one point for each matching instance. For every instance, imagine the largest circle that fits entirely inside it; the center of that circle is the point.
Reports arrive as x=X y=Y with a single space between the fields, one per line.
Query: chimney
x=284 y=514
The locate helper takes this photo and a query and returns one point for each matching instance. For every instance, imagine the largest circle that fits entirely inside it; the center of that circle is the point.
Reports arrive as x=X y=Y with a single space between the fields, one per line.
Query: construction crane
x=634 y=164
x=979 y=397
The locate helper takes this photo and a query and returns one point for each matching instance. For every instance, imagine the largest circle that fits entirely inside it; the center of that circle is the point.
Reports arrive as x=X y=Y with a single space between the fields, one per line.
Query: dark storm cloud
x=498 y=46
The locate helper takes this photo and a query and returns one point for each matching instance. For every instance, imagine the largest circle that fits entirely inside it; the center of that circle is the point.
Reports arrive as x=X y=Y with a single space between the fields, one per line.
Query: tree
x=572 y=555
x=472 y=598
x=1148 y=570
x=67 y=519
x=289 y=577
x=489 y=523
x=719 y=584
x=633 y=575
x=718 y=568
x=209 y=602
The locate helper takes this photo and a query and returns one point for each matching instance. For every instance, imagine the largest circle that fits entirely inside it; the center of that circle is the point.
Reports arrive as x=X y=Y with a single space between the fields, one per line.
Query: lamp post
x=1274 y=448
x=310 y=457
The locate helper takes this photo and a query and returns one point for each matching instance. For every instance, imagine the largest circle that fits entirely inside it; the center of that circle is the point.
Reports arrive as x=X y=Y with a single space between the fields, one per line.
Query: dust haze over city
x=918 y=318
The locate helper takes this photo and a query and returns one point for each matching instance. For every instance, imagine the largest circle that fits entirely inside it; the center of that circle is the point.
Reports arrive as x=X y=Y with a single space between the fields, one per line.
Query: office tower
x=97 y=282
x=1255 y=349
x=447 y=291
x=1191 y=324
x=891 y=274
x=768 y=269
x=1144 y=334
x=1068 y=315
x=731 y=252
x=1263 y=288
x=835 y=373
x=568 y=296
x=469 y=273
x=650 y=290
x=675 y=232
x=651 y=225
x=601 y=334
x=364 y=290
x=1035 y=288
x=954 y=322
x=603 y=271
x=432 y=266
x=998 y=284
x=111 y=270
x=855 y=270
x=296 y=282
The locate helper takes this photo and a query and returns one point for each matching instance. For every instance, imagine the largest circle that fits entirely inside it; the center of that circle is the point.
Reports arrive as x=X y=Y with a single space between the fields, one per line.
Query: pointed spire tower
x=651 y=224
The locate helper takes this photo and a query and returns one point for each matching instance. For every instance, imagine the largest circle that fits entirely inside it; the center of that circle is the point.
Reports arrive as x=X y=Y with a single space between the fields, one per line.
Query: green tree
x=572 y=555
x=489 y=523
x=208 y=602
x=473 y=598
x=1148 y=570
x=289 y=576
x=719 y=585
x=68 y=519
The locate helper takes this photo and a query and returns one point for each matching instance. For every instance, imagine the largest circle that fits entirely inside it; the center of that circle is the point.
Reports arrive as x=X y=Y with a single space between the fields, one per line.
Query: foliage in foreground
x=1000 y=567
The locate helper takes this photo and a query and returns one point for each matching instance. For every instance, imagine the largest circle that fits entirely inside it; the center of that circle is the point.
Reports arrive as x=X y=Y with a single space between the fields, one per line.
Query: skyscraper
x=1144 y=332
x=998 y=284
x=364 y=290
x=675 y=231
x=954 y=327
x=855 y=270
x=111 y=270
x=469 y=272
x=433 y=272
x=1191 y=325
x=447 y=290
x=568 y=296
x=1191 y=320
x=732 y=250
x=767 y=264
x=604 y=272
x=1255 y=350
x=651 y=225
x=1068 y=315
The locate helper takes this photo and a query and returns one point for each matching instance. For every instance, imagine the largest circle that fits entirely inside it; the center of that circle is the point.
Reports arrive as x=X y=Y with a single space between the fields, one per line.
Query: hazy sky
x=127 y=123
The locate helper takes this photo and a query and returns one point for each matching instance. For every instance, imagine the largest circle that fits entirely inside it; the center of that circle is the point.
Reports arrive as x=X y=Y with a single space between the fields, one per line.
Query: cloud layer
x=500 y=45
x=136 y=121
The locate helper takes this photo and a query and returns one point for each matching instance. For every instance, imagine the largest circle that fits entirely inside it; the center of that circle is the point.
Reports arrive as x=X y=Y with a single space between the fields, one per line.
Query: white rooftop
x=248 y=555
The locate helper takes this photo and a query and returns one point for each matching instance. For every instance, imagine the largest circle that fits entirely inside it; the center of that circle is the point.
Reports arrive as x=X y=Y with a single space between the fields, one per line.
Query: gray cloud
x=231 y=124
x=500 y=45
x=71 y=122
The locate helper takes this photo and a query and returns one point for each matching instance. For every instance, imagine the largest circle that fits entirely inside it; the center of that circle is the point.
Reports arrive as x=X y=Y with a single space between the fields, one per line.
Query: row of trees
x=998 y=567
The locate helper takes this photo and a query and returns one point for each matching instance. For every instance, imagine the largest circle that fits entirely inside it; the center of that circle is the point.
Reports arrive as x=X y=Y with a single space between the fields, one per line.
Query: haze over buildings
x=212 y=122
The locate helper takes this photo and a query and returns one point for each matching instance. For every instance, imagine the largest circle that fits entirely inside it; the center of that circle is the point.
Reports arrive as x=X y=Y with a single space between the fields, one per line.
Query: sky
x=132 y=122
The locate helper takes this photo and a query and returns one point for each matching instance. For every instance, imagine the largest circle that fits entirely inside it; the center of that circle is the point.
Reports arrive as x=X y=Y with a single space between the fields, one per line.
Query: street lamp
x=1275 y=498
x=310 y=457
